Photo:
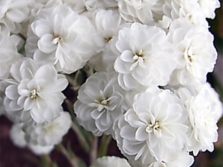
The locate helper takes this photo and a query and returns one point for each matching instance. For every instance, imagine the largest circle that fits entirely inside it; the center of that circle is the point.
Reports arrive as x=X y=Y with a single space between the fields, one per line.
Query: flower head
x=99 y=104
x=14 y=12
x=51 y=133
x=196 y=54
x=144 y=57
x=208 y=7
x=137 y=10
x=60 y=36
x=8 y=50
x=153 y=128
x=33 y=91
x=204 y=110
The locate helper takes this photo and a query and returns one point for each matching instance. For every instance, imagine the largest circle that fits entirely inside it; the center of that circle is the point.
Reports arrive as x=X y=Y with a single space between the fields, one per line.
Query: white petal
x=45 y=44
x=12 y=92
x=16 y=15
x=141 y=134
x=41 y=27
x=49 y=75
x=120 y=67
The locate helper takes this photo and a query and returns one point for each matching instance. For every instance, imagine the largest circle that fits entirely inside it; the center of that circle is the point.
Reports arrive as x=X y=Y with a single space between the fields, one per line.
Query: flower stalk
x=94 y=150
x=105 y=141
x=81 y=138
x=70 y=156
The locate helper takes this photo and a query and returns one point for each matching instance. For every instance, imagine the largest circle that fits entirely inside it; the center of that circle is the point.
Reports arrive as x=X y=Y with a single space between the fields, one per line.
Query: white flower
x=208 y=7
x=60 y=36
x=204 y=110
x=111 y=162
x=13 y=12
x=99 y=103
x=8 y=50
x=178 y=159
x=33 y=91
x=17 y=135
x=153 y=128
x=14 y=117
x=107 y=23
x=189 y=9
x=49 y=133
x=136 y=10
x=40 y=150
x=196 y=54
x=145 y=57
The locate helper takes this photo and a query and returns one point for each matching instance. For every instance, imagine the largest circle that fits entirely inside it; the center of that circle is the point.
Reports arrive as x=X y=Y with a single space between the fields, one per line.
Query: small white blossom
x=99 y=104
x=179 y=159
x=8 y=50
x=107 y=23
x=136 y=10
x=153 y=128
x=111 y=162
x=40 y=150
x=61 y=37
x=17 y=135
x=33 y=91
x=51 y=133
x=196 y=54
x=204 y=110
x=144 y=57
x=208 y=7
x=189 y=9
x=14 y=12
x=176 y=159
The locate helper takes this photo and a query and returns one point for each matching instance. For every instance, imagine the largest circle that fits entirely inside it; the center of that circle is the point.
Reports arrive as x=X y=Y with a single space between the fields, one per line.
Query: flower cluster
x=146 y=64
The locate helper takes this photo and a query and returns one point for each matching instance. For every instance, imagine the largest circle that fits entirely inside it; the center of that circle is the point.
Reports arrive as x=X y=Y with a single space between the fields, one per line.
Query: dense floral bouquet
x=139 y=67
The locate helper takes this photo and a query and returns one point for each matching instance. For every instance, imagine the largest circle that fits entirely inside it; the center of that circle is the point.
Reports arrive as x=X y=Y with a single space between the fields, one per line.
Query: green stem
x=81 y=138
x=72 y=158
x=73 y=82
x=104 y=145
x=94 y=149
x=46 y=160
x=88 y=70
x=69 y=105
